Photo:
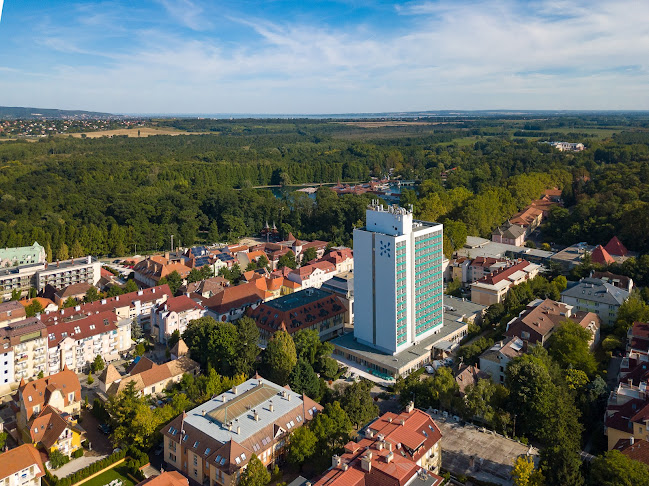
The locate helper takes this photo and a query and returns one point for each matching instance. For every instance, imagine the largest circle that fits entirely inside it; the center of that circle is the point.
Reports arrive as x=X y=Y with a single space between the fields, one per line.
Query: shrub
x=78 y=453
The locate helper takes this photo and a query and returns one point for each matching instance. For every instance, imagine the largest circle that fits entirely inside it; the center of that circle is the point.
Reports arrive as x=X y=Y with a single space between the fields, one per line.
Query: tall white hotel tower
x=397 y=279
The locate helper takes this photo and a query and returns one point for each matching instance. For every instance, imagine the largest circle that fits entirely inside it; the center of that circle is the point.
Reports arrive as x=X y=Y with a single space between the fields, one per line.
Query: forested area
x=105 y=196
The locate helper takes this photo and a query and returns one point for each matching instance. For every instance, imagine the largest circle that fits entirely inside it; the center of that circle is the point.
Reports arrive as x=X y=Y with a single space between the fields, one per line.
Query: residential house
x=214 y=442
x=21 y=466
x=568 y=146
x=509 y=234
x=148 y=377
x=230 y=304
x=494 y=287
x=45 y=409
x=179 y=349
x=481 y=267
x=529 y=218
x=75 y=291
x=174 y=315
x=634 y=449
x=313 y=275
x=206 y=288
x=541 y=318
x=572 y=256
x=11 y=311
x=149 y=271
x=23 y=352
x=469 y=375
x=494 y=361
x=395 y=450
x=461 y=309
x=52 y=430
x=620 y=281
x=341 y=258
x=77 y=342
x=307 y=309
x=598 y=296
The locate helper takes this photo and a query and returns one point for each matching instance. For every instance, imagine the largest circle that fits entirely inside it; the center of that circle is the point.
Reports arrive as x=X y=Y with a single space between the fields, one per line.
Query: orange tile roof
x=22 y=457
x=167 y=478
x=40 y=390
x=234 y=297
x=43 y=301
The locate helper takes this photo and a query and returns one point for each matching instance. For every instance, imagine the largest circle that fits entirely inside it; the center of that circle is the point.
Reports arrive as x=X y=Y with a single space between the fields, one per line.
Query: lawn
x=118 y=472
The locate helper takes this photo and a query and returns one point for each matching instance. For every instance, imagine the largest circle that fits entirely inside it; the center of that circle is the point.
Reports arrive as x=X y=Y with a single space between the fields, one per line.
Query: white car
x=430 y=369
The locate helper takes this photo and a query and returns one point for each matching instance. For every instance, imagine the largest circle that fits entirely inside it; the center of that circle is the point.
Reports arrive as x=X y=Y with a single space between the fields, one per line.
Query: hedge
x=86 y=471
x=78 y=453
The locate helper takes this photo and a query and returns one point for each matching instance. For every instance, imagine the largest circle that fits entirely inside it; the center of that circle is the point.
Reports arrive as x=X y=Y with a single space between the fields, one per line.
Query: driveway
x=99 y=442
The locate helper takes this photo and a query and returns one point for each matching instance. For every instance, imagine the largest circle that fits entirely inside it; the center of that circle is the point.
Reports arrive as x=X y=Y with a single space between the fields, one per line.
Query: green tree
x=615 y=469
x=213 y=233
x=569 y=346
x=633 y=309
x=560 y=282
x=255 y=474
x=69 y=302
x=98 y=364
x=174 y=280
x=48 y=252
x=139 y=349
x=301 y=446
x=304 y=380
x=356 y=400
x=62 y=253
x=173 y=339
x=332 y=427
x=77 y=250
x=130 y=286
x=114 y=291
x=58 y=459
x=287 y=260
x=15 y=294
x=247 y=346
x=195 y=275
x=90 y=380
x=35 y=307
x=3 y=439
x=136 y=330
x=308 y=255
x=92 y=295
x=280 y=357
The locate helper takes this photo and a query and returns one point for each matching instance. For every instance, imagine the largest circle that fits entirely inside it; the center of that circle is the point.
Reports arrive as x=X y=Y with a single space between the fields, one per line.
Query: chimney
x=379 y=446
x=335 y=460
x=389 y=457
x=388 y=445
x=390 y=420
x=229 y=425
x=238 y=429
x=89 y=259
x=345 y=466
x=203 y=412
x=631 y=440
x=256 y=415
x=403 y=422
x=410 y=407
x=270 y=406
x=366 y=462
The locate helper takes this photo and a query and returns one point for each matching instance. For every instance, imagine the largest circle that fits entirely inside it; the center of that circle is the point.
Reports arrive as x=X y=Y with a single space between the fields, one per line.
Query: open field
x=135 y=132
x=105 y=478
x=389 y=123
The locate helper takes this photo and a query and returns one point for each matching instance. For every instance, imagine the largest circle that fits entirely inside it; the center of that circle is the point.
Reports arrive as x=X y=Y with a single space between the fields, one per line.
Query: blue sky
x=317 y=56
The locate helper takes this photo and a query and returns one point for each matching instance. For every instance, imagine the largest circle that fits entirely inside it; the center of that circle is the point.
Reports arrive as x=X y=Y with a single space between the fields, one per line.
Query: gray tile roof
x=596 y=290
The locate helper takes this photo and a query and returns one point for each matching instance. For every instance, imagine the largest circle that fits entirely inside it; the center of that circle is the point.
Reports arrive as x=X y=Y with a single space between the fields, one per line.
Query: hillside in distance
x=26 y=113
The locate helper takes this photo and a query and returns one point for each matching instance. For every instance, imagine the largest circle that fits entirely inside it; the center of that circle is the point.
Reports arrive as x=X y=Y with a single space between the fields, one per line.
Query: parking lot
x=476 y=452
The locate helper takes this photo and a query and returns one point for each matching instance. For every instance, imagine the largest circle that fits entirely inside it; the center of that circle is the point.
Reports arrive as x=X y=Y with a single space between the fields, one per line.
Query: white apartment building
x=23 y=352
x=76 y=343
x=398 y=279
x=174 y=315
x=58 y=274
x=21 y=466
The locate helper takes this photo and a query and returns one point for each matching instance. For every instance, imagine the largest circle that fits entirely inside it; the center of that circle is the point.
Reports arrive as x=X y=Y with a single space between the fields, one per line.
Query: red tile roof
x=182 y=303
x=81 y=328
x=505 y=273
x=234 y=298
x=307 y=270
x=615 y=247
x=638 y=451
x=40 y=390
x=601 y=256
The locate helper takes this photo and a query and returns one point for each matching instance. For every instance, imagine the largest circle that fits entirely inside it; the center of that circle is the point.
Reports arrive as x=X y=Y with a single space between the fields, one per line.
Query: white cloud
x=455 y=55
x=187 y=13
x=1 y=5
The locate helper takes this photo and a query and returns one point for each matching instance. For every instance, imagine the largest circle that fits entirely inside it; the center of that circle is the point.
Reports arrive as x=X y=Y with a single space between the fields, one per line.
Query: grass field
x=103 y=479
x=133 y=132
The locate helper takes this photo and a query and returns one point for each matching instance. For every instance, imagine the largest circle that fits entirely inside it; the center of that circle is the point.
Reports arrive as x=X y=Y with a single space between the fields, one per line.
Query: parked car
x=430 y=369
x=104 y=428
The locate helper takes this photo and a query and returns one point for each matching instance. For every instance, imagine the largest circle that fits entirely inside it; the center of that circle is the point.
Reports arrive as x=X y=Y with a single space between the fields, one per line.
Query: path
x=76 y=465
